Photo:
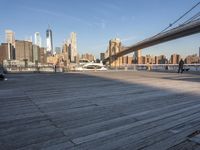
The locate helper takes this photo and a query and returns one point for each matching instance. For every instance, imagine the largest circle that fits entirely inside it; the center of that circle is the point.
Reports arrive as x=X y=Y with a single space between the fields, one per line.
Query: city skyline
x=95 y=26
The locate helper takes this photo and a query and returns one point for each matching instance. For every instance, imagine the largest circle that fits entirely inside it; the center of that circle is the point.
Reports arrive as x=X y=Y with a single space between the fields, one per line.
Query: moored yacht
x=91 y=66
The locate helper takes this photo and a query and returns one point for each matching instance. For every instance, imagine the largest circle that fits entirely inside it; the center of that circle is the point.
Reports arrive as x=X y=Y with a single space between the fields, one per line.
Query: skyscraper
x=10 y=39
x=102 y=56
x=137 y=57
x=10 y=36
x=57 y=50
x=49 y=41
x=74 y=52
x=38 y=40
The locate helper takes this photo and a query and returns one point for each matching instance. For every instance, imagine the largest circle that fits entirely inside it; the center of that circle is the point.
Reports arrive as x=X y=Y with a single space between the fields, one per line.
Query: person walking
x=55 y=67
x=180 y=66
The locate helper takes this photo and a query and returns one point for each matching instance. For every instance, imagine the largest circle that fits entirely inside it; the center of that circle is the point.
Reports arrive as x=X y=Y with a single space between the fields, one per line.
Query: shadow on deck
x=109 y=110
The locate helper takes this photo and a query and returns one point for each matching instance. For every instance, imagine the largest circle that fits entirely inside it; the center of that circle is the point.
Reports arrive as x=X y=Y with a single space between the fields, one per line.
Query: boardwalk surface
x=100 y=111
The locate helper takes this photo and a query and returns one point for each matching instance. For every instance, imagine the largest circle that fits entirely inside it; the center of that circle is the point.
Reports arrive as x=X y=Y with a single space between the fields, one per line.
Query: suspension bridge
x=189 y=27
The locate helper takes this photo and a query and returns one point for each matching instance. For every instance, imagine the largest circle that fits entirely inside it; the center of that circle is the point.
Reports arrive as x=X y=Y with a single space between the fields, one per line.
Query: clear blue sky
x=98 y=21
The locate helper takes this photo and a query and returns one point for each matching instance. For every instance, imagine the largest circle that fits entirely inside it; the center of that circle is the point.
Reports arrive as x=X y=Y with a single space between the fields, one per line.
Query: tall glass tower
x=10 y=36
x=49 y=40
x=10 y=39
x=38 y=40
x=74 y=52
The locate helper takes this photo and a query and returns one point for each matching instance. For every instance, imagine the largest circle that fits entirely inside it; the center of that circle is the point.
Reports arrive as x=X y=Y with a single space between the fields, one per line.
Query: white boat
x=83 y=61
x=92 y=66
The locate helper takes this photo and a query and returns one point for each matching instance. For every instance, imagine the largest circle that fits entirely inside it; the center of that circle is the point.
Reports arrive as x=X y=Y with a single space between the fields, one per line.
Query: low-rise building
x=89 y=57
x=127 y=60
x=175 y=58
x=7 y=52
x=192 y=59
x=3 y=52
x=24 y=50
x=43 y=55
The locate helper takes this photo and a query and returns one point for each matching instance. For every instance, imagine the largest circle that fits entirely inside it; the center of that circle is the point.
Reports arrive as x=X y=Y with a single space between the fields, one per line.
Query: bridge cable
x=193 y=18
x=171 y=24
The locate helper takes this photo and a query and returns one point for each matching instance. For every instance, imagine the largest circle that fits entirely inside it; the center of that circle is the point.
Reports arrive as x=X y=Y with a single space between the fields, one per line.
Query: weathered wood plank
x=56 y=143
x=120 y=121
x=129 y=126
x=110 y=110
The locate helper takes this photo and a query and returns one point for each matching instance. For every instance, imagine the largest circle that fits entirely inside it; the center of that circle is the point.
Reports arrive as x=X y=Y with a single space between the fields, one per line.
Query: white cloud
x=100 y=23
x=58 y=14
x=112 y=6
x=44 y=11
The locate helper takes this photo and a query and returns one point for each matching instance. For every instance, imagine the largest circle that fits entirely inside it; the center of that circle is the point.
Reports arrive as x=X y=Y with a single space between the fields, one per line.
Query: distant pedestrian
x=180 y=66
x=166 y=67
x=55 y=68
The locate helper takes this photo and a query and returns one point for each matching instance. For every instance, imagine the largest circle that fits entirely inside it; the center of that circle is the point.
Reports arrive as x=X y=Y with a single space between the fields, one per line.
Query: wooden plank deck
x=99 y=111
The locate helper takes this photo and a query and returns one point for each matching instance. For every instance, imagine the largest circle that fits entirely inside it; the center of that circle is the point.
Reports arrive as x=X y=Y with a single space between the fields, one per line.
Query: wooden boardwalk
x=100 y=111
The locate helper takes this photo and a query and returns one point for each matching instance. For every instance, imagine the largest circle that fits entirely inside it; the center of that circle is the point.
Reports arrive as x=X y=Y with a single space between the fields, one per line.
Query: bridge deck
x=100 y=111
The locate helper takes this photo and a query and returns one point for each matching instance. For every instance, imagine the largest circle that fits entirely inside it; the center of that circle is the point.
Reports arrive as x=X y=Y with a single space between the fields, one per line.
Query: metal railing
x=15 y=69
x=157 y=67
x=125 y=67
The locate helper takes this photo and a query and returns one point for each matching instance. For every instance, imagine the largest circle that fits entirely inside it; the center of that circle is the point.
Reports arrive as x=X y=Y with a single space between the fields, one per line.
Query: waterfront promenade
x=100 y=111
